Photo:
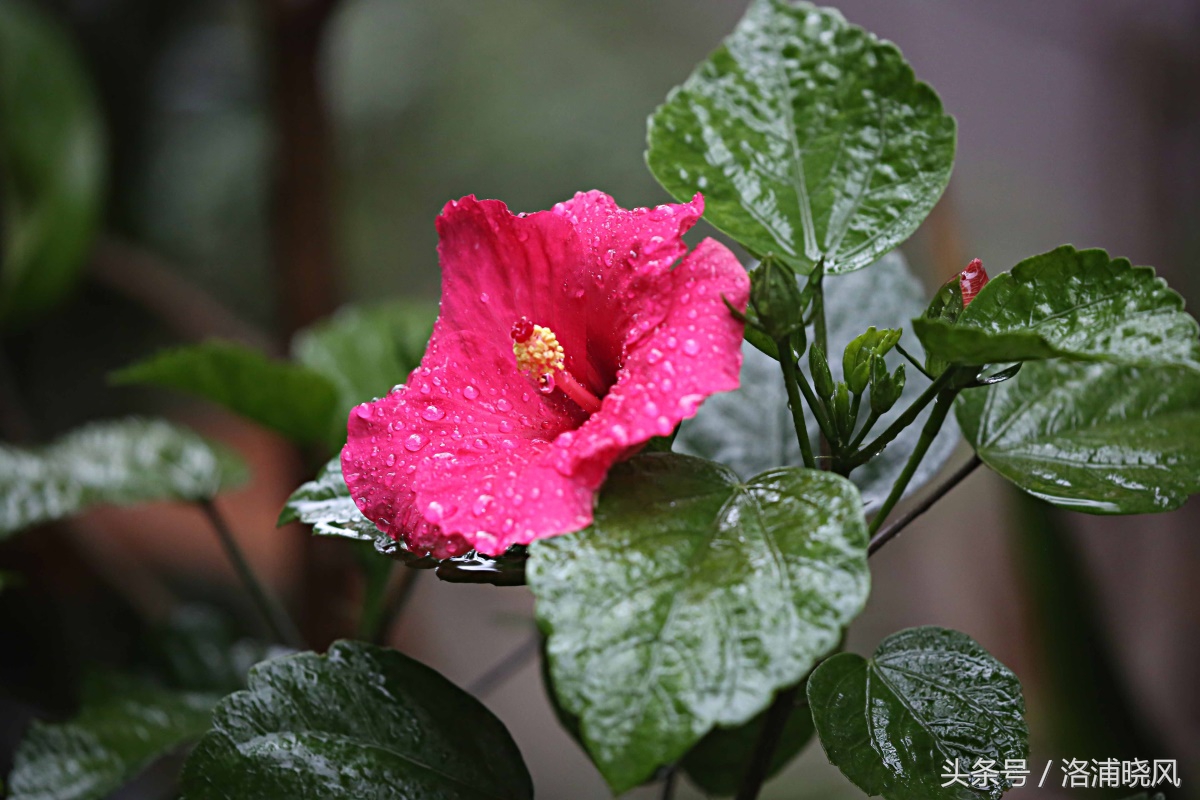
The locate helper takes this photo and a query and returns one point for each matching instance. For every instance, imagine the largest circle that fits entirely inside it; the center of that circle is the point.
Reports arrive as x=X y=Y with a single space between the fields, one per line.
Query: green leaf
x=928 y=695
x=1077 y=304
x=291 y=399
x=751 y=429
x=365 y=351
x=122 y=727
x=198 y=650
x=809 y=138
x=1099 y=438
x=325 y=504
x=692 y=599
x=719 y=761
x=121 y=462
x=52 y=170
x=360 y=721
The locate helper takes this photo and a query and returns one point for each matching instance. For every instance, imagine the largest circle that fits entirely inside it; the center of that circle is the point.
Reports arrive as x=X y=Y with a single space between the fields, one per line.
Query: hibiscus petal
x=694 y=351
x=465 y=403
x=498 y=267
x=626 y=251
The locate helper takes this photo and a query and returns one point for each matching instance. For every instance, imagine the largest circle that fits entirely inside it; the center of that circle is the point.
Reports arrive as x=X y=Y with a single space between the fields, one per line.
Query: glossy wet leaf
x=1099 y=438
x=718 y=762
x=808 y=137
x=1069 y=303
x=360 y=721
x=751 y=429
x=326 y=505
x=122 y=727
x=928 y=695
x=119 y=462
x=52 y=170
x=366 y=350
x=288 y=398
x=691 y=600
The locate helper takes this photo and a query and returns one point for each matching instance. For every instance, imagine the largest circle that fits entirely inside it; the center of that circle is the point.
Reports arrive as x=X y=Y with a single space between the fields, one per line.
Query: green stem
x=920 y=368
x=941 y=408
x=872 y=418
x=819 y=328
x=668 y=784
x=393 y=604
x=792 y=379
x=818 y=408
x=768 y=743
x=903 y=421
x=278 y=621
x=370 y=622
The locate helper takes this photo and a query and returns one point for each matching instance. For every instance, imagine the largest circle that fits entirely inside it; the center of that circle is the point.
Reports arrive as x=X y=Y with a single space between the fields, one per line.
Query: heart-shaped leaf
x=1100 y=438
x=121 y=462
x=360 y=721
x=288 y=398
x=929 y=695
x=364 y=352
x=52 y=170
x=751 y=429
x=1077 y=304
x=124 y=725
x=692 y=599
x=809 y=138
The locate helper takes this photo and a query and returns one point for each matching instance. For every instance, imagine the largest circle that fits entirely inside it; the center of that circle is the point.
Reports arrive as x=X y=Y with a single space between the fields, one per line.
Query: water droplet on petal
x=690 y=347
x=390 y=460
x=432 y=413
x=470 y=392
x=483 y=297
x=414 y=442
x=503 y=405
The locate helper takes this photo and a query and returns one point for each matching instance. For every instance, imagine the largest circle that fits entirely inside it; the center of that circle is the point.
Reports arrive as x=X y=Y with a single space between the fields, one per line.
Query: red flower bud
x=971 y=280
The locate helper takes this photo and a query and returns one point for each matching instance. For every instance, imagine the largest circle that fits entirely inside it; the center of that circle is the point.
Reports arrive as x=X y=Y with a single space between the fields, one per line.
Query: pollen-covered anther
x=540 y=356
x=537 y=349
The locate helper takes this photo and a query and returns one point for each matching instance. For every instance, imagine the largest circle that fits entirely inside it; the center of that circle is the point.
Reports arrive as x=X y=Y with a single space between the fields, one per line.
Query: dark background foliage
x=272 y=160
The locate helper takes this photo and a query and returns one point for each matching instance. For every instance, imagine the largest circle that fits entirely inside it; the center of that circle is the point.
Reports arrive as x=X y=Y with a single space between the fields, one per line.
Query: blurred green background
x=270 y=160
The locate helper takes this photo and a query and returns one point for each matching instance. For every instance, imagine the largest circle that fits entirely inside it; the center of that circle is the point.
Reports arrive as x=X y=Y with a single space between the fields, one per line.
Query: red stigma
x=971 y=280
x=522 y=329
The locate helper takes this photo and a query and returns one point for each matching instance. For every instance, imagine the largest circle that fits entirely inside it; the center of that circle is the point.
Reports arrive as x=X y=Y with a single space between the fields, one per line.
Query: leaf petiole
x=792 y=379
x=910 y=415
x=945 y=399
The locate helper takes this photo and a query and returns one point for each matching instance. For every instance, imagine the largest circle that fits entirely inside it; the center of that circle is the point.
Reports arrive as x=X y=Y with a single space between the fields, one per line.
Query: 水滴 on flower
x=566 y=340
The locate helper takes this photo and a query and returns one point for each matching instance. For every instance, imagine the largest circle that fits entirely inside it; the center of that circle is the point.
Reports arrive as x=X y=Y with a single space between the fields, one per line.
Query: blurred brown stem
x=303 y=252
x=160 y=288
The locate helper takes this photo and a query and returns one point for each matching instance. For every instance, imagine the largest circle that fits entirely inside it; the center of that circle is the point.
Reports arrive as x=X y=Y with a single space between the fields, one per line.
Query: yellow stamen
x=540 y=355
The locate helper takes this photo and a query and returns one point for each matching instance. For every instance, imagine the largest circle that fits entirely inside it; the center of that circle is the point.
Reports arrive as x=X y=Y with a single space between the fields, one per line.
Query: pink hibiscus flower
x=565 y=342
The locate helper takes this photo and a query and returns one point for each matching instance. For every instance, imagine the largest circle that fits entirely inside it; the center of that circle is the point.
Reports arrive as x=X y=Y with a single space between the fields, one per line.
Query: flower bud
x=857 y=357
x=775 y=296
x=951 y=299
x=841 y=412
x=818 y=365
x=885 y=389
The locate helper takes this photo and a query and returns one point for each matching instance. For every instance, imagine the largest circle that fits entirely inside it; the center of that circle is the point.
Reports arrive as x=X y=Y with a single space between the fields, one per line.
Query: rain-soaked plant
x=687 y=461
